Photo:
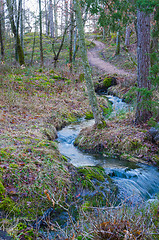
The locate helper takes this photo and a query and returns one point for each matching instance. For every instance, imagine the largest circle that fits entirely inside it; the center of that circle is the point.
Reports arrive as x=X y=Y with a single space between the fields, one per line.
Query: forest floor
x=34 y=103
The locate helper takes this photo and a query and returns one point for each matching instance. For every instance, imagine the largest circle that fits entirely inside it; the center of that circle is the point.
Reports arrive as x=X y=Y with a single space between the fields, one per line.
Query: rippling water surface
x=135 y=181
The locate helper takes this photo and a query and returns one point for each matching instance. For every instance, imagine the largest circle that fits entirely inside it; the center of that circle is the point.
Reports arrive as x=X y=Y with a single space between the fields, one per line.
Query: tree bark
x=56 y=55
x=127 y=36
x=16 y=35
x=46 y=19
x=2 y=29
x=1 y=39
x=55 y=18
x=52 y=35
x=41 y=41
x=21 y=28
x=143 y=111
x=33 y=48
x=75 y=45
x=99 y=121
x=117 y=52
x=71 y=36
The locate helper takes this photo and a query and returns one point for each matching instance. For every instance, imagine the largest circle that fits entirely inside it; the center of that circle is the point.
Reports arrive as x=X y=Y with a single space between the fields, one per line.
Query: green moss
x=21 y=226
x=56 y=77
x=90 y=173
x=81 y=77
x=102 y=125
x=65 y=159
x=89 y=115
x=107 y=82
x=2 y=189
x=13 y=165
x=52 y=71
x=7 y=204
x=52 y=80
x=4 y=154
x=40 y=70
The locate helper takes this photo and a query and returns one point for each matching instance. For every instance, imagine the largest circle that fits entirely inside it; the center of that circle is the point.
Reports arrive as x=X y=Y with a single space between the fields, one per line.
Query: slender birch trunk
x=71 y=35
x=46 y=19
x=52 y=30
x=55 y=17
x=99 y=121
x=75 y=45
x=117 y=52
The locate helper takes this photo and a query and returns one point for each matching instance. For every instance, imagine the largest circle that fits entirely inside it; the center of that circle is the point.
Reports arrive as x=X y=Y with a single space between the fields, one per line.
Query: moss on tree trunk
x=99 y=121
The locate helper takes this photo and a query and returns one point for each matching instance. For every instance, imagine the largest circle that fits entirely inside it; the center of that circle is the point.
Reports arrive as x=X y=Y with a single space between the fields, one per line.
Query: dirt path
x=94 y=60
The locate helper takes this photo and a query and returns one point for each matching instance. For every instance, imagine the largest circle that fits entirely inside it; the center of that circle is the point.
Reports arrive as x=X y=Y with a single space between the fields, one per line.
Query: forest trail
x=95 y=60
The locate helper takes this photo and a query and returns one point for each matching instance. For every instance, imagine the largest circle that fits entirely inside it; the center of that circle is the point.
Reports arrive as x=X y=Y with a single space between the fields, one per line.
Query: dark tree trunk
x=1 y=39
x=16 y=35
x=143 y=111
x=56 y=55
x=41 y=41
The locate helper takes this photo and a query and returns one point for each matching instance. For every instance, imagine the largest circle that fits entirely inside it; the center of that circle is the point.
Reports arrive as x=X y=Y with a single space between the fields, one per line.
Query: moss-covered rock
x=104 y=83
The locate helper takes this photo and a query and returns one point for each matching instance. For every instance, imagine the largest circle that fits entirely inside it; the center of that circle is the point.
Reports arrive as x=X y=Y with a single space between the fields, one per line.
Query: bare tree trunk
x=99 y=121
x=71 y=35
x=15 y=32
x=41 y=41
x=2 y=28
x=143 y=111
x=32 y=55
x=21 y=28
x=127 y=36
x=117 y=52
x=56 y=55
x=51 y=19
x=75 y=46
x=1 y=39
x=66 y=13
x=55 y=18
x=46 y=20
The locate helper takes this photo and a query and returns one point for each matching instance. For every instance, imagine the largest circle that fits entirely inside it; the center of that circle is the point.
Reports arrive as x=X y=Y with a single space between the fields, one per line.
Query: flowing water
x=135 y=181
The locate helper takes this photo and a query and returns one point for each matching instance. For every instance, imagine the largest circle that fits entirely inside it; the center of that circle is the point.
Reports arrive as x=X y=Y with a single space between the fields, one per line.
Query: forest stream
x=135 y=181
